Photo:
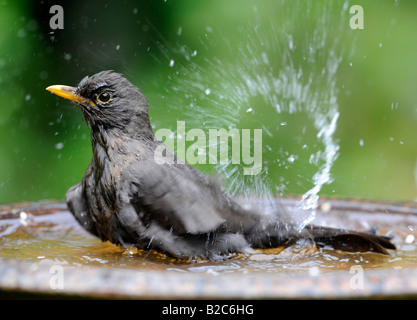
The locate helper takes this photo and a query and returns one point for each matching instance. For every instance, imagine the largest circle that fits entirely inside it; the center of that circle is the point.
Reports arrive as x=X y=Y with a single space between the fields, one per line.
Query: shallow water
x=57 y=239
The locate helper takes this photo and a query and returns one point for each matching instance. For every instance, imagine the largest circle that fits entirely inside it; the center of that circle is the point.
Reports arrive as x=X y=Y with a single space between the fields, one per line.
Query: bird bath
x=43 y=250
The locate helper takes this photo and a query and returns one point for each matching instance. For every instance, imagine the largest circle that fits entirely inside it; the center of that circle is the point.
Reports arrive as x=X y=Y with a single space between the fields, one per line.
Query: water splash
x=277 y=77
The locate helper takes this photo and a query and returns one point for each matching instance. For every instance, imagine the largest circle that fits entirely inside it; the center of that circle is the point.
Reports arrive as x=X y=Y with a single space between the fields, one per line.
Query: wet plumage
x=129 y=198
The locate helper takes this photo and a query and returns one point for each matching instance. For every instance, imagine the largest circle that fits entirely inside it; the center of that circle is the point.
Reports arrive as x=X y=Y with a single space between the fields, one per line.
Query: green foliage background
x=45 y=144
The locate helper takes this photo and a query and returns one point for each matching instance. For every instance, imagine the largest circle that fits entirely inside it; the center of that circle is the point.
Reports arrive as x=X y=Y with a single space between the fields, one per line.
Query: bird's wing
x=173 y=196
x=76 y=203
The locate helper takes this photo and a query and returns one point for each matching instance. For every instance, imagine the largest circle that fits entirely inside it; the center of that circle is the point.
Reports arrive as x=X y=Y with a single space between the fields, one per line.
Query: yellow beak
x=69 y=93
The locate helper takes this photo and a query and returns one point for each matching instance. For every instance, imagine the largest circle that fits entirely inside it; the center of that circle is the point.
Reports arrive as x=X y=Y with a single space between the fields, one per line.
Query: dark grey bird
x=127 y=197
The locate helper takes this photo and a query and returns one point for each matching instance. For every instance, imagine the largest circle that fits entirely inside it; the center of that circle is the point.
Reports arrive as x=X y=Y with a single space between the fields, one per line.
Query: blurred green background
x=193 y=59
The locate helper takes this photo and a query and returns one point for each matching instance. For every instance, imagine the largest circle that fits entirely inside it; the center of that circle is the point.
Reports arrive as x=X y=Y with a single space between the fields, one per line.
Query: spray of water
x=277 y=76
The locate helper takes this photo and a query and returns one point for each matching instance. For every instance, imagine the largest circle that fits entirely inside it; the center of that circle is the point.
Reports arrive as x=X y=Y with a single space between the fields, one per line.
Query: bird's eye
x=104 y=97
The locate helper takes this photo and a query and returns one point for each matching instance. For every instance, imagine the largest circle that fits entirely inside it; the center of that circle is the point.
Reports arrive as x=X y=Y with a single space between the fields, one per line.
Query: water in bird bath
x=57 y=239
x=43 y=243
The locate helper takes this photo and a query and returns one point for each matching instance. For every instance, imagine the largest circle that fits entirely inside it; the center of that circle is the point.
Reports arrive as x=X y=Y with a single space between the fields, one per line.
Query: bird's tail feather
x=341 y=239
x=348 y=240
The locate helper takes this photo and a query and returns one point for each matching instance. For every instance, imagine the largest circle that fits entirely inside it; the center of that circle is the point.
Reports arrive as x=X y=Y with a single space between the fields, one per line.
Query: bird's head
x=108 y=100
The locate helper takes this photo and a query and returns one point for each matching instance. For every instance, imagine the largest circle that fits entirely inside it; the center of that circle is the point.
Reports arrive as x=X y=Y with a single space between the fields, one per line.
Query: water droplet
x=207 y=91
x=314 y=271
x=290 y=42
x=326 y=207
x=409 y=239
x=32 y=25
x=118 y=47
x=264 y=57
x=171 y=63
x=59 y=146
x=21 y=33
x=25 y=219
x=361 y=143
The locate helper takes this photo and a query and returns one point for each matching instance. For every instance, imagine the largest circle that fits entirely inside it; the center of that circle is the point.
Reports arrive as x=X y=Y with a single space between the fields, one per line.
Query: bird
x=131 y=199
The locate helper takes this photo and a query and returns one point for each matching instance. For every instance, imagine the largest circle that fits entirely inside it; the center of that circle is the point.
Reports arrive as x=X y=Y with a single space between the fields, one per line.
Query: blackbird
x=129 y=198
